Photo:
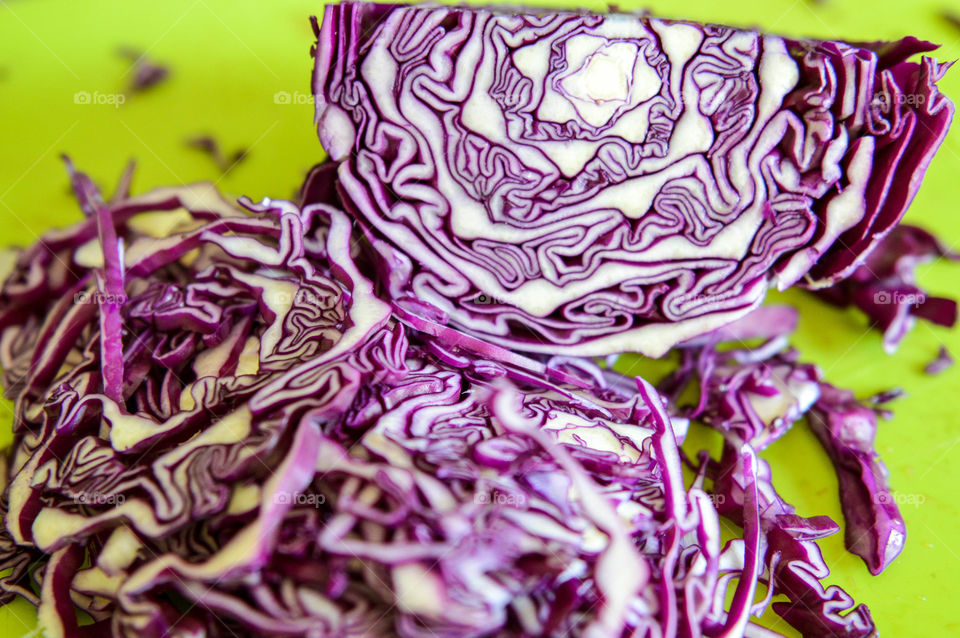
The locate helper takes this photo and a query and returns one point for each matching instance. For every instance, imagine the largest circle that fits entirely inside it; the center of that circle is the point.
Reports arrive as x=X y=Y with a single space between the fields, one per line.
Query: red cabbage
x=259 y=427
x=874 y=527
x=942 y=361
x=369 y=412
x=884 y=287
x=286 y=456
x=593 y=184
x=754 y=395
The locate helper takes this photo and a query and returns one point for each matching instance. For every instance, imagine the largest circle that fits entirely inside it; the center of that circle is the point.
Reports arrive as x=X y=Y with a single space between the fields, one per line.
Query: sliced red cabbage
x=587 y=184
x=261 y=449
x=940 y=363
x=288 y=457
x=884 y=287
x=874 y=528
x=239 y=419
x=147 y=73
x=754 y=395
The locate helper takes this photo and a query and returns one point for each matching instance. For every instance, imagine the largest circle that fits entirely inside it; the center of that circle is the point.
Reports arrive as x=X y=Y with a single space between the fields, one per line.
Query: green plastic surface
x=240 y=72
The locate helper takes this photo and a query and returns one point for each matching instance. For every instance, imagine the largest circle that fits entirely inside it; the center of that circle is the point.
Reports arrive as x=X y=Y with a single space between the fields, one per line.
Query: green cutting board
x=240 y=72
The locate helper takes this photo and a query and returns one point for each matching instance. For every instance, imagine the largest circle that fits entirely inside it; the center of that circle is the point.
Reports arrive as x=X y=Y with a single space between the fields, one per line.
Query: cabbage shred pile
x=284 y=419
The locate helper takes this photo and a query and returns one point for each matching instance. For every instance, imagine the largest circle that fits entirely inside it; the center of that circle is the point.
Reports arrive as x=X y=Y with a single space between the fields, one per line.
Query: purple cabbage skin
x=874 y=528
x=884 y=287
x=942 y=362
x=593 y=184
